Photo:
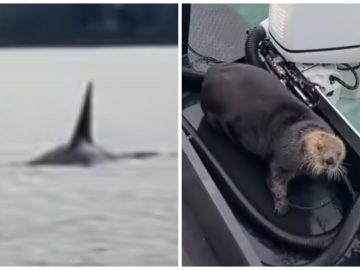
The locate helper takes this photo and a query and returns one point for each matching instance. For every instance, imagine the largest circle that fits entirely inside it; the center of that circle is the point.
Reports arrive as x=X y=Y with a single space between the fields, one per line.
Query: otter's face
x=324 y=153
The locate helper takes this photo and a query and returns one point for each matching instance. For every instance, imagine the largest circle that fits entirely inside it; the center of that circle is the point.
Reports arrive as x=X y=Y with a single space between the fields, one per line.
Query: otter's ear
x=302 y=147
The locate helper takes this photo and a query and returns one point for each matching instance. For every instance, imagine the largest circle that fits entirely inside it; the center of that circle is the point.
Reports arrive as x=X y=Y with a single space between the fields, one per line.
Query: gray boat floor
x=196 y=250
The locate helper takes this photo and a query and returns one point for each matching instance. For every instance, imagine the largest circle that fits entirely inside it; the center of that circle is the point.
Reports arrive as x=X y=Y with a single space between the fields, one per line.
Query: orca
x=81 y=150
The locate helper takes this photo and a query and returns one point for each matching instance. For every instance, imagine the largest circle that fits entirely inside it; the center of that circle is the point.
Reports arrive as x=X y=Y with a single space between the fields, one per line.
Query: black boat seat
x=316 y=208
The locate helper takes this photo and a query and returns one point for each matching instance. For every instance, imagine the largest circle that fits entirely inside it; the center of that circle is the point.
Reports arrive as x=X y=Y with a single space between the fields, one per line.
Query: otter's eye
x=320 y=147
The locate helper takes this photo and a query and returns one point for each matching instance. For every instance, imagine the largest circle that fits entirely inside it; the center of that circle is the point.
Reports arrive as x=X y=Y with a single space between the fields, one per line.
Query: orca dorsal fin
x=83 y=130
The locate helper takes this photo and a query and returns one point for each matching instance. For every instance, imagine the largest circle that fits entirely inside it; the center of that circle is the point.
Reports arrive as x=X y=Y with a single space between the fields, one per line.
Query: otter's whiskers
x=317 y=170
x=340 y=173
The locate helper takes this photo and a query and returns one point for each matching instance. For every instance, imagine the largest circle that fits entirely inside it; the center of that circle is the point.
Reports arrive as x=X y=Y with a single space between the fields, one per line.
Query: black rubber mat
x=318 y=204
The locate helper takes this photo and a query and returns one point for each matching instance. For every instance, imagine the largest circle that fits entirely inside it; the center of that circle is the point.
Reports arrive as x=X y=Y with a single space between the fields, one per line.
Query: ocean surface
x=114 y=214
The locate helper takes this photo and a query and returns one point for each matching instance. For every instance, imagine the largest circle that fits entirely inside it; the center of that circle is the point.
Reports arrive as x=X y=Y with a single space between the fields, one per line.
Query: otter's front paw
x=281 y=207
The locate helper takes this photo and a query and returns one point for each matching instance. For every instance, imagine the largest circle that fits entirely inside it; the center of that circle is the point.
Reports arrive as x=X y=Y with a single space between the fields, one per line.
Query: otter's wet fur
x=256 y=111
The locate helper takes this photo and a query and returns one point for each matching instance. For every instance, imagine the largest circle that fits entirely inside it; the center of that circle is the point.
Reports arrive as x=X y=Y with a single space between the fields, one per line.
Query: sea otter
x=256 y=111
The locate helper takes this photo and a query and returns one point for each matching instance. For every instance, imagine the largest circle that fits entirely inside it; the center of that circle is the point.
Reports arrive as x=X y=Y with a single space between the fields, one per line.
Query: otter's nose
x=330 y=161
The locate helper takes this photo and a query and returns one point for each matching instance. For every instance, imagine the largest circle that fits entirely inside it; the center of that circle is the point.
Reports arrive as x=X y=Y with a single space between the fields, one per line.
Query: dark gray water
x=120 y=213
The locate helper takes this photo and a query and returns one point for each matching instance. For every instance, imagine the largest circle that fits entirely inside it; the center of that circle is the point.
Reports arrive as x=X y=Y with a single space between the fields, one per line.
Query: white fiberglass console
x=316 y=33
